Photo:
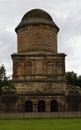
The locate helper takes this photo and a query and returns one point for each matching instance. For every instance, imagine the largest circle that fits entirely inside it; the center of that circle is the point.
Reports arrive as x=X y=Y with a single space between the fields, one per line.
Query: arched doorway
x=54 y=106
x=28 y=106
x=41 y=106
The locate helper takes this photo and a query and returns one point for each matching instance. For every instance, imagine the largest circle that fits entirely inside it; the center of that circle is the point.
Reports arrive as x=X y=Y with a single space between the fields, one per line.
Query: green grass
x=41 y=124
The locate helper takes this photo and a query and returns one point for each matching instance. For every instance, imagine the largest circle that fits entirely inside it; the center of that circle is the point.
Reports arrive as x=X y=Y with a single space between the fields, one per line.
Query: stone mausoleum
x=38 y=69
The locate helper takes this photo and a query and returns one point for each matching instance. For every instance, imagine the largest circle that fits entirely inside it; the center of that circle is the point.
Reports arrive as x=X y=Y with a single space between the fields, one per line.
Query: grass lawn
x=41 y=124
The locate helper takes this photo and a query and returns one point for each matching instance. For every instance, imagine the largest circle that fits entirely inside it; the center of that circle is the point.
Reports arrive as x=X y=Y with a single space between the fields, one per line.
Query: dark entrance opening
x=28 y=106
x=41 y=106
x=54 y=106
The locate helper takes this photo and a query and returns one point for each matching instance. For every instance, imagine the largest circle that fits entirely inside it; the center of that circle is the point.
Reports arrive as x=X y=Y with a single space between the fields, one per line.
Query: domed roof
x=36 y=16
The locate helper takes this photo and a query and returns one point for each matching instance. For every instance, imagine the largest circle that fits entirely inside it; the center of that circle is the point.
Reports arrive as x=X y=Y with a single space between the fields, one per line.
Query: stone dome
x=35 y=17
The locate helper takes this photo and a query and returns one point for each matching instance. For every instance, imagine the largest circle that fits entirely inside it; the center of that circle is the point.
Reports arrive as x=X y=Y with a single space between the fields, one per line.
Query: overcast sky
x=65 y=13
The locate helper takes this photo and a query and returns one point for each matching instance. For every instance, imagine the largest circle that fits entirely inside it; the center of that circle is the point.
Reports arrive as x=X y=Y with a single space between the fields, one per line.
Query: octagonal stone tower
x=37 y=32
x=38 y=69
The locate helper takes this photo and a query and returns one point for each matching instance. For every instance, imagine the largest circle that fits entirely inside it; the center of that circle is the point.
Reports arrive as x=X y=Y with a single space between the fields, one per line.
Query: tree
x=79 y=81
x=2 y=73
x=4 y=80
x=71 y=78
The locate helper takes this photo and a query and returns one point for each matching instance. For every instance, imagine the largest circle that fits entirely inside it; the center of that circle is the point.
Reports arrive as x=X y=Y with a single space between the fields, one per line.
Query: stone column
x=47 y=106
x=35 y=109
